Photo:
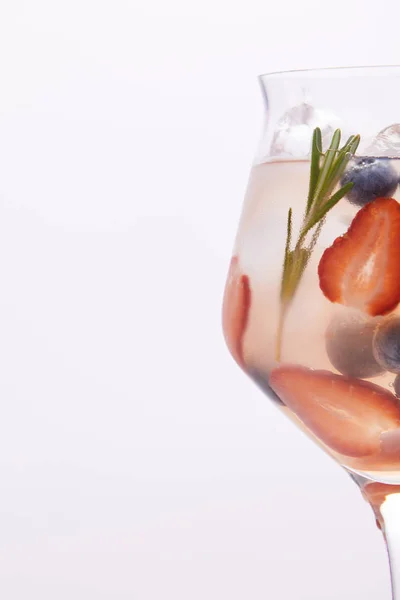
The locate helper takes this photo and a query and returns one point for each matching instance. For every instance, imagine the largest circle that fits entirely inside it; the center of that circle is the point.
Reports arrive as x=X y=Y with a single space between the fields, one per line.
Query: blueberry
x=261 y=380
x=372 y=178
x=396 y=386
x=348 y=341
x=386 y=345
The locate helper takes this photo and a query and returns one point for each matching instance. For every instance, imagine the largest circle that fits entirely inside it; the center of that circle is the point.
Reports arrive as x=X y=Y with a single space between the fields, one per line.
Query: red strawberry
x=362 y=268
x=348 y=415
x=235 y=310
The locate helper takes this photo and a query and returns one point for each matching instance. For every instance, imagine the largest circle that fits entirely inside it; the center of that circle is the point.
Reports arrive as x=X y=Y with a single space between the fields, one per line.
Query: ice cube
x=294 y=130
x=386 y=143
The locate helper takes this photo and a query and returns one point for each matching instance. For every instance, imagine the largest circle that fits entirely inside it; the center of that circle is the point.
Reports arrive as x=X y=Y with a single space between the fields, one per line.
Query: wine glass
x=311 y=308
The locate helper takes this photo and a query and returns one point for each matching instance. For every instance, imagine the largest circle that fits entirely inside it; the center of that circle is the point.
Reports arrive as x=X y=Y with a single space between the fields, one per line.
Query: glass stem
x=390 y=525
x=384 y=500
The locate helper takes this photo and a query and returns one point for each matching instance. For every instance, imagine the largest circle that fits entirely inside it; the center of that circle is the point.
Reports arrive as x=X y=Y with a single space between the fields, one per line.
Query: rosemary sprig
x=325 y=173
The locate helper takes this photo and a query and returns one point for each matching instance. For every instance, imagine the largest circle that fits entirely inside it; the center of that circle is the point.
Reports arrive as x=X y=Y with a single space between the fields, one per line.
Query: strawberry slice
x=235 y=310
x=347 y=414
x=362 y=268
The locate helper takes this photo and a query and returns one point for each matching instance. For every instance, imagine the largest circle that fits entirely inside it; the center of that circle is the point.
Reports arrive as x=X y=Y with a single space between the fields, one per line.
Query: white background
x=136 y=460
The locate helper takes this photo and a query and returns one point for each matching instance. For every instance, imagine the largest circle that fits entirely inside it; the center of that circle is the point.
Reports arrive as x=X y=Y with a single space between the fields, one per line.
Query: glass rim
x=361 y=70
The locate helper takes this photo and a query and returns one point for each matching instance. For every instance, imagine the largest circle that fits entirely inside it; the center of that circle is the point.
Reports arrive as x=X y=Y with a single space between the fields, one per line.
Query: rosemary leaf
x=296 y=263
x=315 y=236
x=315 y=166
x=329 y=205
x=330 y=156
x=354 y=145
x=288 y=255
x=349 y=142
x=289 y=232
x=340 y=164
x=318 y=140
